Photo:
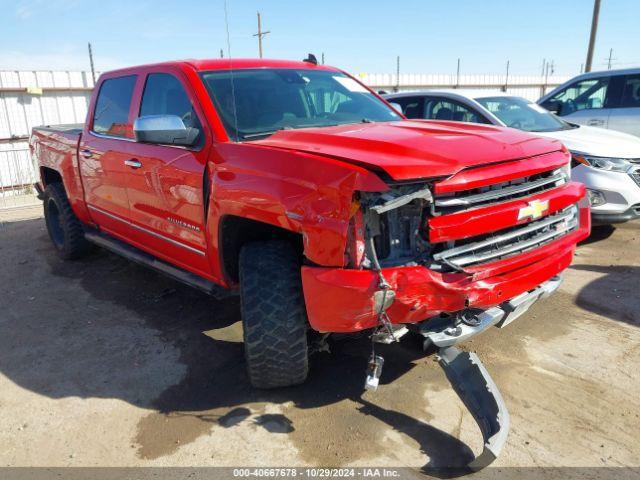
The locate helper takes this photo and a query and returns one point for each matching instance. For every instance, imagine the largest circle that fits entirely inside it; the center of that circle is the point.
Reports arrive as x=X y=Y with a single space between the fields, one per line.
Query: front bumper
x=444 y=334
x=342 y=300
x=599 y=218
x=619 y=189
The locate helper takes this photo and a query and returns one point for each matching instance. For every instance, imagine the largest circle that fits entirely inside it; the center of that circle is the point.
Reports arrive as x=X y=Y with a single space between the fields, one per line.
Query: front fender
x=299 y=192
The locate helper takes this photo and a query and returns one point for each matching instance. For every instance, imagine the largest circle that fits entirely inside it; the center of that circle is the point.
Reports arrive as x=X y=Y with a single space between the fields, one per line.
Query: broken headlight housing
x=395 y=224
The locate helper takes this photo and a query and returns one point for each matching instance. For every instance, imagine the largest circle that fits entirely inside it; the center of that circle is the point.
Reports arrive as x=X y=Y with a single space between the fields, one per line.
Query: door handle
x=133 y=163
x=86 y=153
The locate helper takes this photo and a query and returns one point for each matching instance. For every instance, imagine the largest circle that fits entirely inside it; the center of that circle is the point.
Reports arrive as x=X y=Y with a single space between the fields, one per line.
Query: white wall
x=531 y=87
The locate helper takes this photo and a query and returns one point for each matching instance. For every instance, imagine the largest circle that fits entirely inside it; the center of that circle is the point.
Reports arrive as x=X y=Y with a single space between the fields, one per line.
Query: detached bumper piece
x=477 y=390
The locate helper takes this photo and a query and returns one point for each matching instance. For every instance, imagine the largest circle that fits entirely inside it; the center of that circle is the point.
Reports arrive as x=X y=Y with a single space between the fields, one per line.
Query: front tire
x=273 y=314
x=65 y=230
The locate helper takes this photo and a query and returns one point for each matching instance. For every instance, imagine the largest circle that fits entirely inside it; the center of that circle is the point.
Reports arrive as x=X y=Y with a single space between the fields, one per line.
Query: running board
x=143 y=258
x=479 y=393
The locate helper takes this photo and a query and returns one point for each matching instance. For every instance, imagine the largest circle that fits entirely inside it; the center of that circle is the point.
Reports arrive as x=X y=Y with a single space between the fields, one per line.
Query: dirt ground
x=106 y=363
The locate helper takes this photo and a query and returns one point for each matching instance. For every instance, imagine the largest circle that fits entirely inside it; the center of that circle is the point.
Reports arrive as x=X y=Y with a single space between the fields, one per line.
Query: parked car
x=608 y=99
x=328 y=210
x=607 y=162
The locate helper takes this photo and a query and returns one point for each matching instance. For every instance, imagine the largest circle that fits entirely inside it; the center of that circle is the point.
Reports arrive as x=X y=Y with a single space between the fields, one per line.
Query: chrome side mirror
x=164 y=130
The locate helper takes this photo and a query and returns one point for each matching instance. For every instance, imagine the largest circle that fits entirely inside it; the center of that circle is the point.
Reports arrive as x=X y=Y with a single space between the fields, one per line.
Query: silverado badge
x=534 y=209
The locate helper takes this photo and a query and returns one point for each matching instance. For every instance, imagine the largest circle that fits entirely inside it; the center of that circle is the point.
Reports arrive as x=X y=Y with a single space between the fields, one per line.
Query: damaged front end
x=449 y=259
x=392 y=227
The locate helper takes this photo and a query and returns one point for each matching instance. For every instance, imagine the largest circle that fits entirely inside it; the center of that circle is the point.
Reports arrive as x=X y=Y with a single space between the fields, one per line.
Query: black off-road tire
x=65 y=230
x=274 y=316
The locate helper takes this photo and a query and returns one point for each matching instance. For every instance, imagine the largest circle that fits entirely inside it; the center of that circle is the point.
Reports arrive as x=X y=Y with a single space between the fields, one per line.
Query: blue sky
x=359 y=36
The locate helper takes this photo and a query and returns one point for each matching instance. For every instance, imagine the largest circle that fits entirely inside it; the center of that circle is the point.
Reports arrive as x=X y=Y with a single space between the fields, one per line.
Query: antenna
x=233 y=87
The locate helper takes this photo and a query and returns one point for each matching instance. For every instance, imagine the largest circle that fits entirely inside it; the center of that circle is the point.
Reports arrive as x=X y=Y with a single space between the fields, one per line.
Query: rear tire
x=65 y=230
x=273 y=314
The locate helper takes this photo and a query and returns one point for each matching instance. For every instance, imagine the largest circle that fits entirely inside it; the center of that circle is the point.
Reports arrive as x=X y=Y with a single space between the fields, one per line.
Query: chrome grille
x=501 y=192
x=510 y=242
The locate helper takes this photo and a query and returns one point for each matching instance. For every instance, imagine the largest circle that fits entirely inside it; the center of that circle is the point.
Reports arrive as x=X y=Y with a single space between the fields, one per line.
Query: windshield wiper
x=259 y=134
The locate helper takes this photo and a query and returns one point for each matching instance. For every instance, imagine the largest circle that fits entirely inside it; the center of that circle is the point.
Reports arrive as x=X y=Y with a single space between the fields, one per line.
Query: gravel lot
x=106 y=363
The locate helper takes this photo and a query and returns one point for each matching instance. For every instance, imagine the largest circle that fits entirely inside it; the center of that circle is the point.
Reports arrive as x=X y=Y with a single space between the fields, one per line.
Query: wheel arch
x=235 y=231
x=50 y=175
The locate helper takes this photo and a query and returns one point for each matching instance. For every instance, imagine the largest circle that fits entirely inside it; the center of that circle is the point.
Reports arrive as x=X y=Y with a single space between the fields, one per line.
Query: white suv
x=608 y=99
x=607 y=162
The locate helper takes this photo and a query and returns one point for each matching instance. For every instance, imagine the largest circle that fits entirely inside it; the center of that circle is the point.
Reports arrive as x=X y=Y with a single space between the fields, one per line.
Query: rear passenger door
x=105 y=145
x=625 y=112
x=166 y=183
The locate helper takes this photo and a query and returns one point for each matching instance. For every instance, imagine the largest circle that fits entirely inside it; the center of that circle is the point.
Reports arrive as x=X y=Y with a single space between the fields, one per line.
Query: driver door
x=165 y=183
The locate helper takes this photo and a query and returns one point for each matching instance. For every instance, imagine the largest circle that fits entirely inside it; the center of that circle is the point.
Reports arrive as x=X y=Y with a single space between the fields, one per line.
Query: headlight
x=603 y=163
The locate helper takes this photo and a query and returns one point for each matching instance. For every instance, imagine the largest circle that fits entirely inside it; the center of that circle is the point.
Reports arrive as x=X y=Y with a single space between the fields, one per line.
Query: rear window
x=111 y=115
x=631 y=92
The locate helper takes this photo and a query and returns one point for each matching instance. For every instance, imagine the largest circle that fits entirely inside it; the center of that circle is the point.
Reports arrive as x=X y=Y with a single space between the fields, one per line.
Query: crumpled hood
x=599 y=142
x=410 y=149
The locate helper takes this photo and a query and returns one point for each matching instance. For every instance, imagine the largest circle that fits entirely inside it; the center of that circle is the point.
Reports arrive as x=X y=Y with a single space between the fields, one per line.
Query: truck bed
x=65 y=129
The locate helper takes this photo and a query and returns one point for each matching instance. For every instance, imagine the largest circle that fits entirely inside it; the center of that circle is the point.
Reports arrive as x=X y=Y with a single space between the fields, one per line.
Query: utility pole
x=458 y=75
x=506 y=78
x=93 y=72
x=610 y=59
x=260 y=34
x=322 y=58
x=221 y=53
x=544 y=65
x=397 y=89
x=592 y=37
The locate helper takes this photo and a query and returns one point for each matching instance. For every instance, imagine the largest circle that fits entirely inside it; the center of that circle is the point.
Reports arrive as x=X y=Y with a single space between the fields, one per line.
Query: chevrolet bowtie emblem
x=534 y=210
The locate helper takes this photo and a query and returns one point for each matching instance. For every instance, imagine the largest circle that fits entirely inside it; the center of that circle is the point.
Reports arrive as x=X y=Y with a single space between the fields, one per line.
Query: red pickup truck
x=323 y=205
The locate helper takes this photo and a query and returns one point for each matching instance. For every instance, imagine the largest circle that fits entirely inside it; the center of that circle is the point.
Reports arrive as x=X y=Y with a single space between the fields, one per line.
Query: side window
x=165 y=95
x=582 y=95
x=111 y=115
x=445 y=109
x=631 y=92
x=412 y=107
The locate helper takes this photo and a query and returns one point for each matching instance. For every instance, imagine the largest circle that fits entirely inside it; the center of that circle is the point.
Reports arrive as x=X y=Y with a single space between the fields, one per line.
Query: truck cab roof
x=203 y=65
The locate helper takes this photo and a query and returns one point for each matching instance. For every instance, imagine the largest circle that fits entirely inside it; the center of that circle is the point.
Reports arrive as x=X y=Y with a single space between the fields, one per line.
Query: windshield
x=255 y=103
x=522 y=114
